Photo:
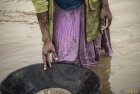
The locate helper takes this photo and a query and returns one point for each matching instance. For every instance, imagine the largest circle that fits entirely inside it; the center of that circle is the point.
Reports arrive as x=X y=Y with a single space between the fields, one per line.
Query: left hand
x=106 y=18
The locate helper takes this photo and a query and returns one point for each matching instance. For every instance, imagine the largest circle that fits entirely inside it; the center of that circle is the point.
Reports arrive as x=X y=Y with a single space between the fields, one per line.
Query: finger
x=44 y=62
x=106 y=24
x=49 y=59
x=55 y=56
x=103 y=21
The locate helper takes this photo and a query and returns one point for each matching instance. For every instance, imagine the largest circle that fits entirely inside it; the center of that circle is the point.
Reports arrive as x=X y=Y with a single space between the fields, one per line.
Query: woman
x=74 y=30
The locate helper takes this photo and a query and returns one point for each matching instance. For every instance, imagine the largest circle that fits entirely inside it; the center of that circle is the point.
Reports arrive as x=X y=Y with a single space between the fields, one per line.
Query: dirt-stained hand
x=106 y=18
x=48 y=53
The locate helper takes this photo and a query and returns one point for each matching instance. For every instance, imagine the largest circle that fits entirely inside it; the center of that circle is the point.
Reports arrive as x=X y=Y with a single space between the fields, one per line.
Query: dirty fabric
x=93 y=24
x=70 y=38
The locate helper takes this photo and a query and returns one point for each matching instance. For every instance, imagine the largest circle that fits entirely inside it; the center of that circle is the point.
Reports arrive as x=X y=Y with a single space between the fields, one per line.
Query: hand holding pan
x=47 y=63
x=50 y=58
x=48 y=54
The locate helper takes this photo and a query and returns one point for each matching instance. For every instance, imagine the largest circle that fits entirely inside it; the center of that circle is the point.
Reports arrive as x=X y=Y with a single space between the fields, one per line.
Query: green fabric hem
x=90 y=39
x=41 y=11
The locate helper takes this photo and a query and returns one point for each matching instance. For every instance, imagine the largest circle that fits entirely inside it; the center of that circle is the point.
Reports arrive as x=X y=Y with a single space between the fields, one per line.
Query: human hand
x=48 y=54
x=106 y=18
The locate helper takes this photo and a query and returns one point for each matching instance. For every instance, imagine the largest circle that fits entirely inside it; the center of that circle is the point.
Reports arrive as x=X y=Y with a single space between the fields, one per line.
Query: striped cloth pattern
x=70 y=38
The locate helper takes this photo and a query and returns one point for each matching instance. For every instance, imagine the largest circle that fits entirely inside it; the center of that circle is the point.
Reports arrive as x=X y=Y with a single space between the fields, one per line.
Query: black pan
x=31 y=79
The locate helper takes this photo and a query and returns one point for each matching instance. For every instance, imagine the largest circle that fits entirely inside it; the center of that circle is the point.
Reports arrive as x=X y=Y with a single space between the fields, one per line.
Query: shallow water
x=20 y=44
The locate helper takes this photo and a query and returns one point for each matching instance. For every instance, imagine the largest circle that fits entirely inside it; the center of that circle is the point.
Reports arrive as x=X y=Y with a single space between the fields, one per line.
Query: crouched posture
x=74 y=30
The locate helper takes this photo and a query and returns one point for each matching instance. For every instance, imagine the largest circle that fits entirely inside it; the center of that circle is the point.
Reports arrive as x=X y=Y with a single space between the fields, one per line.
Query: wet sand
x=20 y=44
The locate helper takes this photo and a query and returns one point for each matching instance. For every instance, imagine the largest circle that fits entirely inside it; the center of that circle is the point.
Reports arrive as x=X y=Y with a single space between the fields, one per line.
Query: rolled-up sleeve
x=40 y=5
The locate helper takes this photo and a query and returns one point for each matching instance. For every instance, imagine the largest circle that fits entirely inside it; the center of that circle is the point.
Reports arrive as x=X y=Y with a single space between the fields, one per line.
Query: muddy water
x=20 y=44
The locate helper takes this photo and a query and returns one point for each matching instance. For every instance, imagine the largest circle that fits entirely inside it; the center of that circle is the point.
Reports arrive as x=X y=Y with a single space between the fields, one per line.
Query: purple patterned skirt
x=70 y=38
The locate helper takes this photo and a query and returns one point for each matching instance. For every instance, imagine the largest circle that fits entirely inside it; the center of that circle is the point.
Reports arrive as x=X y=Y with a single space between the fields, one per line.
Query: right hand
x=46 y=50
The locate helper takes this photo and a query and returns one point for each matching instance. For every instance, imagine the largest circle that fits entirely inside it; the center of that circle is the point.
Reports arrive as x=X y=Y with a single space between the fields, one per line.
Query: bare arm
x=48 y=46
x=43 y=22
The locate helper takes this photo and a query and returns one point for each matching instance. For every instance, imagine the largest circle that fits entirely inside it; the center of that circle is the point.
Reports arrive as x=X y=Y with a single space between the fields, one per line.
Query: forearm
x=105 y=4
x=43 y=22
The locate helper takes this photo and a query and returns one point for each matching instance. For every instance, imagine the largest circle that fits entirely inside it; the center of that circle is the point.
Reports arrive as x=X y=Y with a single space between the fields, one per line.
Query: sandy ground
x=20 y=43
